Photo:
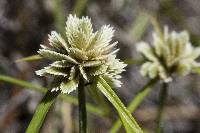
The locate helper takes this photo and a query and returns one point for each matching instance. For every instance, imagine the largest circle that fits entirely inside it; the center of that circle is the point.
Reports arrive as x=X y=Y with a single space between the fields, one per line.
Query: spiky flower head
x=81 y=53
x=170 y=53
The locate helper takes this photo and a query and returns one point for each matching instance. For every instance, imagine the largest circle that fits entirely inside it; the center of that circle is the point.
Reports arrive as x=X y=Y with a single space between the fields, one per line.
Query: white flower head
x=81 y=53
x=170 y=53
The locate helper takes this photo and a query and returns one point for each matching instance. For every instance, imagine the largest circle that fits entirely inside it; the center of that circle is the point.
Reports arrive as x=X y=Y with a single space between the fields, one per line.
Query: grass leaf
x=70 y=99
x=134 y=62
x=41 y=112
x=140 y=25
x=128 y=121
x=29 y=58
x=135 y=103
x=98 y=97
x=196 y=70
x=79 y=7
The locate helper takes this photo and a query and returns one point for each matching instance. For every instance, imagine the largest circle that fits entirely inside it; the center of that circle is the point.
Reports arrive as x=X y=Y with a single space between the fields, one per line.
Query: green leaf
x=128 y=121
x=98 y=97
x=134 y=62
x=135 y=103
x=196 y=70
x=29 y=58
x=140 y=25
x=79 y=7
x=70 y=99
x=41 y=112
x=59 y=15
x=156 y=25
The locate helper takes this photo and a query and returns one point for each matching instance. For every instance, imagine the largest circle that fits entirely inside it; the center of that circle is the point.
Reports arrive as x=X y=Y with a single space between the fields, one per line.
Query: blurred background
x=25 y=24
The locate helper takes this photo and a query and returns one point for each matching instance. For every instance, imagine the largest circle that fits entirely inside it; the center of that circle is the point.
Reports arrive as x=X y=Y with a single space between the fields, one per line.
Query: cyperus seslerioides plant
x=81 y=57
x=81 y=53
x=169 y=53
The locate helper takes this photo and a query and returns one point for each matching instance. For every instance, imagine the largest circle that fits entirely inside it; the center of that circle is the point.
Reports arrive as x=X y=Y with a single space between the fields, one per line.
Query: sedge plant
x=79 y=58
x=170 y=54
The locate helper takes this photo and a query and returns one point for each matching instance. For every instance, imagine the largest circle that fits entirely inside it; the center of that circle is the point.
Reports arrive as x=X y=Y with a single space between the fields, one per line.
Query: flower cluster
x=170 y=53
x=81 y=53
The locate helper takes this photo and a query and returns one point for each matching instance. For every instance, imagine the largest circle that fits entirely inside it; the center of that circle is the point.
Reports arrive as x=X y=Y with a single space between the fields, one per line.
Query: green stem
x=82 y=107
x=162 y=99
x=135 y=103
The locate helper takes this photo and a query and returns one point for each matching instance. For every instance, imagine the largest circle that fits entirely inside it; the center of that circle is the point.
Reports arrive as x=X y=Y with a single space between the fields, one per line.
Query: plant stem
x=162 y=99
x=82 y=107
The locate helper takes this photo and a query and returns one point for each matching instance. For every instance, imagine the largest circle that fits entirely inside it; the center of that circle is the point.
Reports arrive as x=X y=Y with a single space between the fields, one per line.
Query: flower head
x=81 y=53
x=170 y=53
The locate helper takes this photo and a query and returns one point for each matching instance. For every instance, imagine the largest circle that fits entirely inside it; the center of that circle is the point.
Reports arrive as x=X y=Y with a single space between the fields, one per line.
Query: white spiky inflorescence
x=170 y=53
x=81 y=52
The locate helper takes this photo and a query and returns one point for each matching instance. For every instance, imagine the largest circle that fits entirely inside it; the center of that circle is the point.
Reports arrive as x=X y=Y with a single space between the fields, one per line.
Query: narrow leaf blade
x=135 y=103
x=196 y=70
x=67 y=98
x=128 y=121
x=41 y=112
x=29 y=58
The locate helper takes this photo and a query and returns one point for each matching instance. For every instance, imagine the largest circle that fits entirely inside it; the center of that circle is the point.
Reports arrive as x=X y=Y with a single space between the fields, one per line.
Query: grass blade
x=79 y=7
x=156 y=25
x=135 y=103
x=70 y=99
x=128 y=121
x=41 y=112
x=98 y=97
x=134 y=62
x=196 y=70
x=140 y=25
x=29 y=58
x=59 y=16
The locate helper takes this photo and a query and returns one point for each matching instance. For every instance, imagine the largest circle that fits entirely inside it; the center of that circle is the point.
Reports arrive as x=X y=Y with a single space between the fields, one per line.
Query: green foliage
x=128 y=121
x=196 y=70
x=59 y=15
x=140 y=25
x=41 y=112
x=79 y=7
x=67 y=98
x=97 y=96
x=135 y=102
x=29 y=58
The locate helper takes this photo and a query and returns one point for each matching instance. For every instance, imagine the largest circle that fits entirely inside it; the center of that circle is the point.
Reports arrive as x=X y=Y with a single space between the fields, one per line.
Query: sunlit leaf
x=41 y=112
x=67 y=98
x=29 y=58
x=196 y=70
x=135 y=103
x=128 y=121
